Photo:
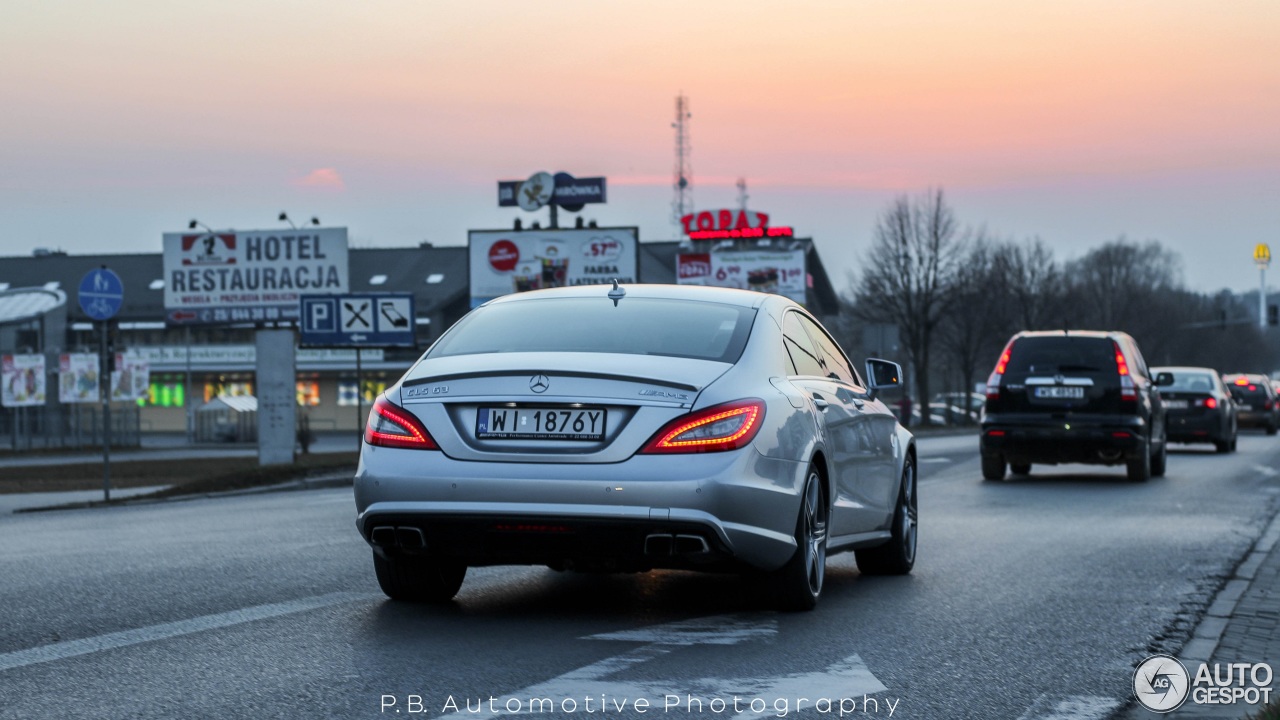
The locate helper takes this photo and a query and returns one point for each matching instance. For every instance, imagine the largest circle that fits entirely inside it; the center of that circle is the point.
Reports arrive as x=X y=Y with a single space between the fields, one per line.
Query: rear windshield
x=636 y=326
x=1190 y=382
x=1052 y=355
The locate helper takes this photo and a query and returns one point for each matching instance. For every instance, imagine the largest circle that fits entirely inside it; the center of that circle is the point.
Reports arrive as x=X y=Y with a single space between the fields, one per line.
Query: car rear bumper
x=1256 y=418
x=1196 y=428
x=712 y=511
x=1063 y=441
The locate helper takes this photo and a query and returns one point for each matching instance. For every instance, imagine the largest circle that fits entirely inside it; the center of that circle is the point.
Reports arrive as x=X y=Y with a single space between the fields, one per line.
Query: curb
x=312 y=483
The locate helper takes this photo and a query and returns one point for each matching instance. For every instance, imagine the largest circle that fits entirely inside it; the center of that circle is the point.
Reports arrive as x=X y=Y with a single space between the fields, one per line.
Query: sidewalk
x=1241 y=626
x=173 y=446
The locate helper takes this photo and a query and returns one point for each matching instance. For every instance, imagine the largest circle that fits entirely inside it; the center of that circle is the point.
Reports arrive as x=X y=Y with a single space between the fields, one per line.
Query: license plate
x=1060 y=392
x=541 y=423
x=1176 y=404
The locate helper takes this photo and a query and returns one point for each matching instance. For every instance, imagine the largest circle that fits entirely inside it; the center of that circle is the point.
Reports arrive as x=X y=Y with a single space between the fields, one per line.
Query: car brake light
x=716 y=429
x=993 y=382
x=1128 y=392
x=1242 y=381
x=1211 y=403
x=392 y=426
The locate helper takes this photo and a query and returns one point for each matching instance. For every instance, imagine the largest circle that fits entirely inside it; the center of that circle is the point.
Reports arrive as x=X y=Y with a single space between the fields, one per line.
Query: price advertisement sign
x=78 y=378
x=507 y=261
x=23 y=380
x=776 y=271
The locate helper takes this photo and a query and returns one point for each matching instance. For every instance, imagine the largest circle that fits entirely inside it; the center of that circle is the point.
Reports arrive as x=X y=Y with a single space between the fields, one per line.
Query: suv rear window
x=636 y=326
x=1051 y=355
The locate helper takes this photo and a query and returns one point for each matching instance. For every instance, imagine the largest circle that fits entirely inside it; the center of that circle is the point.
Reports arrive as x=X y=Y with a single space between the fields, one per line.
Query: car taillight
x=716 y=429
x=993 y=382
x=392 y=426
x=1128 y=392
x=1211 y=403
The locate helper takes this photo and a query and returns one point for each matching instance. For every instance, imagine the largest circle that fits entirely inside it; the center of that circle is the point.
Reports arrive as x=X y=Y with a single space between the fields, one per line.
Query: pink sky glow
x=1075 y=122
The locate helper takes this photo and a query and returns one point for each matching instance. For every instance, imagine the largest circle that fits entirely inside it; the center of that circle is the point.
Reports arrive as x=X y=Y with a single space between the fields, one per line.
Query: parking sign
x=365 y=320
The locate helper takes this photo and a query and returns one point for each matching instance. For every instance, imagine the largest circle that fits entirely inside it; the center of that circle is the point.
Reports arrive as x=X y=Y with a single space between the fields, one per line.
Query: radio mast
x=682 y=203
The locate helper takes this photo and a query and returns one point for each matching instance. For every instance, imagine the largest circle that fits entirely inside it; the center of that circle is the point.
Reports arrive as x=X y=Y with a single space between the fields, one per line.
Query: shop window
x=347 y=391
x=165 y=392
x=234 y=388
x=308 y=393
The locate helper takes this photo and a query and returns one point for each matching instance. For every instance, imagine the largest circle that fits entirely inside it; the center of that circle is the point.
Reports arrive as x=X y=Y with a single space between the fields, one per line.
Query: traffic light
x=1273 y=314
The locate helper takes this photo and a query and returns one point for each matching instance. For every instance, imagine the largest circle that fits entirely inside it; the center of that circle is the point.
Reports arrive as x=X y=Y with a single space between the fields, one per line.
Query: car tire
x=1020 y=468
x=417 y=579
x=1160 y=459
x=1271 y=429
x=1234 y=440
x=993 y=467
x=799 y=583
x=897 y=556
x=1222 y=446
x=1139 y=468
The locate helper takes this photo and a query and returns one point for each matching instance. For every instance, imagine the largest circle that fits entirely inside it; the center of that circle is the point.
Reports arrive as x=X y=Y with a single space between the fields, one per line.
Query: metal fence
x=25 y=429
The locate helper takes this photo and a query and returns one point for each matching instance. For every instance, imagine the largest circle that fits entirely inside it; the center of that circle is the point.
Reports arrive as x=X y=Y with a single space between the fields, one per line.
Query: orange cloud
x=322 y=178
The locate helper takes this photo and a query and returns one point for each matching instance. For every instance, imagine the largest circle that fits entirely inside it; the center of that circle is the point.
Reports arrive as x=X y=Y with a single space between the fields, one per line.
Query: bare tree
x=910 y=276
x=1033 y=282
x=1114 y=285
x=975 y=325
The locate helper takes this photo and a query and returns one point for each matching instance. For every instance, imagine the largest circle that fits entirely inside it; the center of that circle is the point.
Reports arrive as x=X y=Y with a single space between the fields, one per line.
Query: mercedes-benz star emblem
x=539 y=383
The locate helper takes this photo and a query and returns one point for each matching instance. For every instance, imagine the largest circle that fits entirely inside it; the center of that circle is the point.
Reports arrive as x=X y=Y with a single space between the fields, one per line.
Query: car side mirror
x=882 y=374
x=1164 y=379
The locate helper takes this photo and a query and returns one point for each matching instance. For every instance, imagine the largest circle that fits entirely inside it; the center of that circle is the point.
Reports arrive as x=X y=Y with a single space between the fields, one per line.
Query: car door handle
x=820 y=403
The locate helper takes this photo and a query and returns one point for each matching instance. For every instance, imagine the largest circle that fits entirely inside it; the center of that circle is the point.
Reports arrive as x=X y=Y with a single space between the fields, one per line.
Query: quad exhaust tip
x=406 y=538
x=666 y=544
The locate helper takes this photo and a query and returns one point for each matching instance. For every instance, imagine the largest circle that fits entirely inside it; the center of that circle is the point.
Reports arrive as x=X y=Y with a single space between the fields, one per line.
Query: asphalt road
x=1031 y=599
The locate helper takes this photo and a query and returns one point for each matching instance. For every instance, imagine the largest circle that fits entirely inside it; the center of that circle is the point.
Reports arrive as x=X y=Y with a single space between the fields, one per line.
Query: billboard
x=78 y=378
x=775 y=271
x=507 y=261
x=250 y=276
x=22 y=382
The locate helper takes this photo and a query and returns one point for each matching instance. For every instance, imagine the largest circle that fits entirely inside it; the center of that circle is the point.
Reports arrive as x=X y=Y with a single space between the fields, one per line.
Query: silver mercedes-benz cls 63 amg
x=634 y=428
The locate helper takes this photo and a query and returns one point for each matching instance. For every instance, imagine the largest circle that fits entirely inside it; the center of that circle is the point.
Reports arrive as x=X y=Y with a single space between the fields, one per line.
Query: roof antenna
x=616 y=293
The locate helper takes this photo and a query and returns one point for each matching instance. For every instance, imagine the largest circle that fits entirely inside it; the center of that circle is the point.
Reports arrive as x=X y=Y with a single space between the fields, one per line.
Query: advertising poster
x=131 y=380
x=507 y=261
x=23 y=380
x=776 y=271
x=78 y=378
x=250 y=276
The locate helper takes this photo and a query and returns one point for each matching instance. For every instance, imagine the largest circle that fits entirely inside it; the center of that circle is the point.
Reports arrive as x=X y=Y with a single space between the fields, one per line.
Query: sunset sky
x=1077 y=122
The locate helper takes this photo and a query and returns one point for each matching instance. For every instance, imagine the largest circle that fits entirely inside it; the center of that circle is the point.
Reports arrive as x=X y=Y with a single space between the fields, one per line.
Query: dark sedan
x=1256 y=400
x=1198 y=408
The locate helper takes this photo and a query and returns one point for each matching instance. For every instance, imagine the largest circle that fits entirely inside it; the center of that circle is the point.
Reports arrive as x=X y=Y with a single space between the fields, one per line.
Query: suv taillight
x=1128 y=392
x=993 y=382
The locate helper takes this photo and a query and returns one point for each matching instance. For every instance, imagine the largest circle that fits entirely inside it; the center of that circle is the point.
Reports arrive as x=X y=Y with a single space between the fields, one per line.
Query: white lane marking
x=163 y=631
x=1267 y=471
x=1075 y=707
x=933 y=460
x=599 y=680
x=719 y=630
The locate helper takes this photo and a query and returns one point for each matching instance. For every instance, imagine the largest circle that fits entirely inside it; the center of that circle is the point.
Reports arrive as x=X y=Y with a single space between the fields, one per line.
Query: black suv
x=1073 y=396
